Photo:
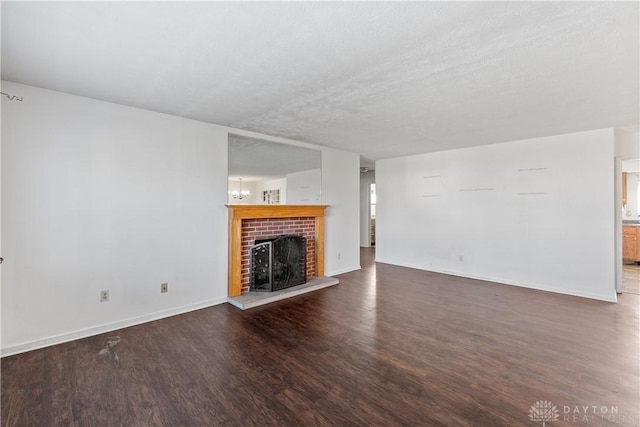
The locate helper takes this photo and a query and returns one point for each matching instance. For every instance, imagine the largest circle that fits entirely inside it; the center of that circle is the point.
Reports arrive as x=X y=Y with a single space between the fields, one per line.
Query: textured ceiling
x=257 y=160
x=382 y=79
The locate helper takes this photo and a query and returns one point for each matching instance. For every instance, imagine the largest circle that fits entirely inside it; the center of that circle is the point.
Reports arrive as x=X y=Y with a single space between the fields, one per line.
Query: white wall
x=340 y=190
x=272 y=184
x=627 y=144
x=304 y=188
x=632 y=167
x=366 y=179
x=536 y=213
x=101 y=196
x=631 y=210
x=1 y=240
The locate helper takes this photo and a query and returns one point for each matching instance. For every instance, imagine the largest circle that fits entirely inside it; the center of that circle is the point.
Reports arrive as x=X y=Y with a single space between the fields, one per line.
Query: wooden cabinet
x=630 y=247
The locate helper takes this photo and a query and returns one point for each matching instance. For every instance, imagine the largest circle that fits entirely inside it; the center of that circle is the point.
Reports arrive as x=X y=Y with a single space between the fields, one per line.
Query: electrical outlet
x=104 y=296
x=164 y=287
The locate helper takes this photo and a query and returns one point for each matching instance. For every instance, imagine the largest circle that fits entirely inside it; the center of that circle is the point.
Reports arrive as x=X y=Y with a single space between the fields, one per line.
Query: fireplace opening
x=278 y=262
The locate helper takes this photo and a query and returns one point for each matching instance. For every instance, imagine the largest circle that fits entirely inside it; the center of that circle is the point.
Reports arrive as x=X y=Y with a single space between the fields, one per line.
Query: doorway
x=372 y=214
x=367 y=207
x=630 y=169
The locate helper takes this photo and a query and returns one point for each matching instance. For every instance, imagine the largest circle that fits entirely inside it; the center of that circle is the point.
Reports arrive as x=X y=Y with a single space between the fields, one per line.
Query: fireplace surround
x=309 y=217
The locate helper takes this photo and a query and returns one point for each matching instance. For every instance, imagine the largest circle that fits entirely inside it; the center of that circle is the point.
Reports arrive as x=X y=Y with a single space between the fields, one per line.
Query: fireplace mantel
x=239 y=212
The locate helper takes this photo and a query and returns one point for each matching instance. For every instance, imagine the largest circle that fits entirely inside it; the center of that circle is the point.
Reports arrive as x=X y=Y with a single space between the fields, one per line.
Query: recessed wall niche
x=264 y=172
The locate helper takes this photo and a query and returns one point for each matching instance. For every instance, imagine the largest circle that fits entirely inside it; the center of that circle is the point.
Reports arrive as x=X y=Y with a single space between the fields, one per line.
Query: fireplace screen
x=278 y=263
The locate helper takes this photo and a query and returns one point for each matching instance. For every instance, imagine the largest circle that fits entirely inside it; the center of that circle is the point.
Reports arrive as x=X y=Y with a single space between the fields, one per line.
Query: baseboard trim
x=107 y=327
x=505 y=282
x=343 y=271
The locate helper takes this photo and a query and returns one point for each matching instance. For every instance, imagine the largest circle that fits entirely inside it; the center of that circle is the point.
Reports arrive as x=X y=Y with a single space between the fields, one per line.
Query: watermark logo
x=543 y=411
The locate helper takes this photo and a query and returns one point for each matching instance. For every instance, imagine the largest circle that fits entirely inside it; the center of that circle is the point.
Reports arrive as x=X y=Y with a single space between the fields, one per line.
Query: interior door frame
x=618 y=226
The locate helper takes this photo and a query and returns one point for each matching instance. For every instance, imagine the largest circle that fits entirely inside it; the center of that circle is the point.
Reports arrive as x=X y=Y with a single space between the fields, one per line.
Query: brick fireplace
x=253 y=229
x=250 y=222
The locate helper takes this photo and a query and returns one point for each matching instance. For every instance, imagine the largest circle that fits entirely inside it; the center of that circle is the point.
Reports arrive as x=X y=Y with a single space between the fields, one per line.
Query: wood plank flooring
x=631 y=279
x=387 y=346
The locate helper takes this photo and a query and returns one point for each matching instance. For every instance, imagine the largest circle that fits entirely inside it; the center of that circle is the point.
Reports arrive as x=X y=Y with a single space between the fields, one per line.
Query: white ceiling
x=258 y=160
x=382 y=79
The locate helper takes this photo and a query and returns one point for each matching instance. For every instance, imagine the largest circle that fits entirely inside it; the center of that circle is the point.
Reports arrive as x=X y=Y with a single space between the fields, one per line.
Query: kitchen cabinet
x=630 y=246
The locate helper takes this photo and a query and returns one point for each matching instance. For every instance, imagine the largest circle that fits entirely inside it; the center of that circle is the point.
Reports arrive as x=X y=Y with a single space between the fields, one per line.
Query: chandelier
x=242 y=194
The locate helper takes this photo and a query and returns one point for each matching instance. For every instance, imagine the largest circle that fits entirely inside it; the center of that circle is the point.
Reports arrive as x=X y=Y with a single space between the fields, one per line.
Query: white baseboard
x=107 y=327
x=505 y=282
x=342 y=271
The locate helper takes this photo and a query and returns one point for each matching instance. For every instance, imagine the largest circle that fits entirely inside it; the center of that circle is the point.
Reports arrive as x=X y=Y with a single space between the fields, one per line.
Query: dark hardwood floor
x=388 y=346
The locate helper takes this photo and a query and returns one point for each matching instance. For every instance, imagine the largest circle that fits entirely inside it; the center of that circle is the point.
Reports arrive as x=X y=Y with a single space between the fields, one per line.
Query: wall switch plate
x=104 y=296
x=164 y=287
